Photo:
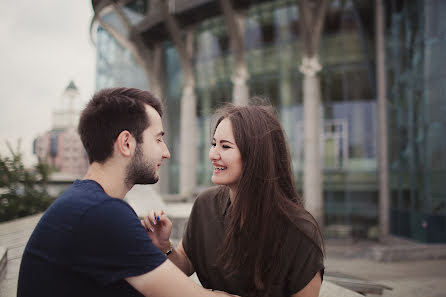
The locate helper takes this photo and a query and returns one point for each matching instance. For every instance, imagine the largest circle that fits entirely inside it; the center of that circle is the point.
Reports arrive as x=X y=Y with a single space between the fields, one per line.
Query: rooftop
x=71 y=86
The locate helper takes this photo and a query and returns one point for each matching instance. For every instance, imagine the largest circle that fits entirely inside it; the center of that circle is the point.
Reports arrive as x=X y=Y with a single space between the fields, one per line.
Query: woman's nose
x=213 y=154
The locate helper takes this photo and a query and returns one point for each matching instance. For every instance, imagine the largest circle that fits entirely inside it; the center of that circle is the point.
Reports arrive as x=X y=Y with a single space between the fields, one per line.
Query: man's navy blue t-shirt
x=86 y=244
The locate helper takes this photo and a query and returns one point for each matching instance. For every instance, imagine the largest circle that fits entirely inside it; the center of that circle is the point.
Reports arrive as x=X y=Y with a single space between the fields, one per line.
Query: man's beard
x=140 y=171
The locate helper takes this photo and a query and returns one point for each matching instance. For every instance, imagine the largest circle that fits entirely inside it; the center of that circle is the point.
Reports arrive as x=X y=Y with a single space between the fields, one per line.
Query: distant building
x=61 y=147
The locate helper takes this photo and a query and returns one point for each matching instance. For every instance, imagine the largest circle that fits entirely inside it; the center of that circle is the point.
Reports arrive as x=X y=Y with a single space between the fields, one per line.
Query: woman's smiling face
x=225 y=156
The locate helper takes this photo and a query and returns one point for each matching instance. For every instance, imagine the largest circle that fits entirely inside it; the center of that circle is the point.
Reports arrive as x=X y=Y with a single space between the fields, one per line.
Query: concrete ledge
x=390 y=249
x=407 y=252
x=357 y=285
x=177 y=198
x=330 y=289
x=179 y=214
x=3 y=261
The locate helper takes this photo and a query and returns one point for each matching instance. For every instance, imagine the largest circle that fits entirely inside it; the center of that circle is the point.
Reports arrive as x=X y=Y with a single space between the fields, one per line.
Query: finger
x=158 y=213
x=148 y=224
x=151 y=217
x=144 y=224
x=164 y=219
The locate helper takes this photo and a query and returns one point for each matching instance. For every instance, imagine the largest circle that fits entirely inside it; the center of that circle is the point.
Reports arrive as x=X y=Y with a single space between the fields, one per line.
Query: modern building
x=381 y=67
x=61 y=147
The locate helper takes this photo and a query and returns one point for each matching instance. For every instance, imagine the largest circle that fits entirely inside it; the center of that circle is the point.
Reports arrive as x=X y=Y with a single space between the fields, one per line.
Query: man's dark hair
x=110 y=112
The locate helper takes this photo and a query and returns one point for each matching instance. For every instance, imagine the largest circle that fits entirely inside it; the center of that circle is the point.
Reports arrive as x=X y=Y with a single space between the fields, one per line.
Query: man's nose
x=166 y=153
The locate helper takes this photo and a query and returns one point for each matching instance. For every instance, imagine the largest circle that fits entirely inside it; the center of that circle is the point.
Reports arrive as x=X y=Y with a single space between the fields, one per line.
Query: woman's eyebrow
x=222 y=141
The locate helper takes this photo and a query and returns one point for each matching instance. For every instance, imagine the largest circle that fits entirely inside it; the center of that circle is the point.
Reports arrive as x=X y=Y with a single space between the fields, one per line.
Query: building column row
x=188 y=117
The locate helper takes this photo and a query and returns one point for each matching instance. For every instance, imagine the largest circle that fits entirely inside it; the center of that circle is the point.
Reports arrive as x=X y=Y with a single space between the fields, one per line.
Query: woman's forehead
x=224 y=128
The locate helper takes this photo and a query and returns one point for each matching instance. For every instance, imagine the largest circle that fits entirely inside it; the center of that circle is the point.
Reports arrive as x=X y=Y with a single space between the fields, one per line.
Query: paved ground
x=408 y=278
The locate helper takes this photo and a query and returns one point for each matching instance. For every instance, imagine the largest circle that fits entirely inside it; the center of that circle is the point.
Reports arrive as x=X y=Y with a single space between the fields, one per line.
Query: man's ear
x=125 y=143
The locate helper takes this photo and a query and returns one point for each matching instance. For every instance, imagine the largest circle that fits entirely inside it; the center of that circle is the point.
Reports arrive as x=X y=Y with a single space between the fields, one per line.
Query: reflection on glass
x=115 y=66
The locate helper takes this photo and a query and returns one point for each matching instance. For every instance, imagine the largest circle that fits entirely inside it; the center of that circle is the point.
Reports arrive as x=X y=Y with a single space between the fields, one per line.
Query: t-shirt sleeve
x=307 y=260
x=112 y=244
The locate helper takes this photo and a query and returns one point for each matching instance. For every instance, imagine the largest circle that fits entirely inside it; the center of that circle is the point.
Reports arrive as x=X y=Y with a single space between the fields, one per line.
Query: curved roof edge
x=187 y=13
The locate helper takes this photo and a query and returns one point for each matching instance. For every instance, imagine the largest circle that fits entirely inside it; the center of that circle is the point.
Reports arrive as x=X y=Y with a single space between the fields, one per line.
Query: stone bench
x=15 y=234
x=3 y=259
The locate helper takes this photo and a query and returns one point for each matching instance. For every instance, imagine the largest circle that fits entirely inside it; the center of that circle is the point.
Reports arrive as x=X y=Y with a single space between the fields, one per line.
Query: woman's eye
x=226 y=146
x=213 y=144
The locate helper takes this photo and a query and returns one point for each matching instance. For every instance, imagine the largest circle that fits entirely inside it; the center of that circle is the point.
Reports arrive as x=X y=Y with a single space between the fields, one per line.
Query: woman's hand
x=158 y=228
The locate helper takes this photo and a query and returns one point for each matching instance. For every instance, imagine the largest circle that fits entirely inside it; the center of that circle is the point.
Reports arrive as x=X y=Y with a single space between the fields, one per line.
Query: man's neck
x=111 y=178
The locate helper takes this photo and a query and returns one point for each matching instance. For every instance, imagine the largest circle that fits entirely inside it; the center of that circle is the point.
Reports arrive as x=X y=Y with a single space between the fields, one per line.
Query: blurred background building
x=61 y=147
x=198 y=54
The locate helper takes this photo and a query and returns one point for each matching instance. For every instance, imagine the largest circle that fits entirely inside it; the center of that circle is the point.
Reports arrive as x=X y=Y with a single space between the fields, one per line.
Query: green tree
x=23 y=191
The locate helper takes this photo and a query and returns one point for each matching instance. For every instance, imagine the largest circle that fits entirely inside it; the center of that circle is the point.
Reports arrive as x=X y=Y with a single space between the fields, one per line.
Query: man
x=90 y=242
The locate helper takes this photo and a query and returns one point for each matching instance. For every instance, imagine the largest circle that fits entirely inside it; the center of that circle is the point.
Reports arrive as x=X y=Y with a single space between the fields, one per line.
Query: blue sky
x=44 y=44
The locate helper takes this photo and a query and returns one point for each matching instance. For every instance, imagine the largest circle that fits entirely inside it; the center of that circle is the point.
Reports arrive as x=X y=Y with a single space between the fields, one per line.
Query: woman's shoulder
x=212 y=196
x=212 y=193
x=305 y=232
x=209 y=192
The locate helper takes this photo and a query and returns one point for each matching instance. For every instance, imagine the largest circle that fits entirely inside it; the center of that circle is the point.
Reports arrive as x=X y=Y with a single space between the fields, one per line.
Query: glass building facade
x=115 y=66
x=416 y=53
x=273 y=46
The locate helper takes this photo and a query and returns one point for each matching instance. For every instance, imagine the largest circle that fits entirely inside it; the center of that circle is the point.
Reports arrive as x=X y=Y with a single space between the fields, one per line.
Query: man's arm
x=168 y=281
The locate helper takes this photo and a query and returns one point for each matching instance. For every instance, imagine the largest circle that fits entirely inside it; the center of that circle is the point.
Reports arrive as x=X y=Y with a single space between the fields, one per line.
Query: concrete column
x=240 y=91
x=156 y=80
x=188 y=120
x=235 y=25
x=313 y=197
x=188 y=139
x=381 y=88
x=205 y=132
x=285 y=92
x=155 y=71
x=312 y=15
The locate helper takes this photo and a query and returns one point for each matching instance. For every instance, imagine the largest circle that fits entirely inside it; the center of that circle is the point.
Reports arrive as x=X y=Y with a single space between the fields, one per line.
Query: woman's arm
x=179 y=257
x=158 y=228
x=312 y=288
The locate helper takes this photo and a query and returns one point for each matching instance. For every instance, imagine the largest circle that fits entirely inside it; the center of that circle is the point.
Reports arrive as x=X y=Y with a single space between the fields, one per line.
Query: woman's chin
x=215 y=180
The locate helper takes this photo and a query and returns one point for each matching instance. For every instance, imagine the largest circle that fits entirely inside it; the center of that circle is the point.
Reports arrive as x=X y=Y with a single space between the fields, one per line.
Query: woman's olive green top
x=203 y=239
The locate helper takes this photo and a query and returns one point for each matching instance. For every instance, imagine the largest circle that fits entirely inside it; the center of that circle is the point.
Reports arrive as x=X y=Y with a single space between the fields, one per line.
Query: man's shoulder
x=85 y=188
x=83 y=201
x=82 y=192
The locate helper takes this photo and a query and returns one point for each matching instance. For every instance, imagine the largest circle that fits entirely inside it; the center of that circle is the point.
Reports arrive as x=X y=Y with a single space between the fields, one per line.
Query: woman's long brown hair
x=266 y=204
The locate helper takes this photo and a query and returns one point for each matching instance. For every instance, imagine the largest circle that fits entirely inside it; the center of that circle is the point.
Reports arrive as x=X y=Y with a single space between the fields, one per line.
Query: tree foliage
x=23 y=191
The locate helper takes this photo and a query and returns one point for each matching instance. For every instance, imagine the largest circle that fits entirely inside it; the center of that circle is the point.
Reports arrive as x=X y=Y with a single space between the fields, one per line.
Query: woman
x=251 y=235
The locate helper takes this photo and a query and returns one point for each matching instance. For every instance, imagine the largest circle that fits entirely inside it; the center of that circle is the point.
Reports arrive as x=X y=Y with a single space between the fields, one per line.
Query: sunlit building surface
x=415 y=51
x=61 y=147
